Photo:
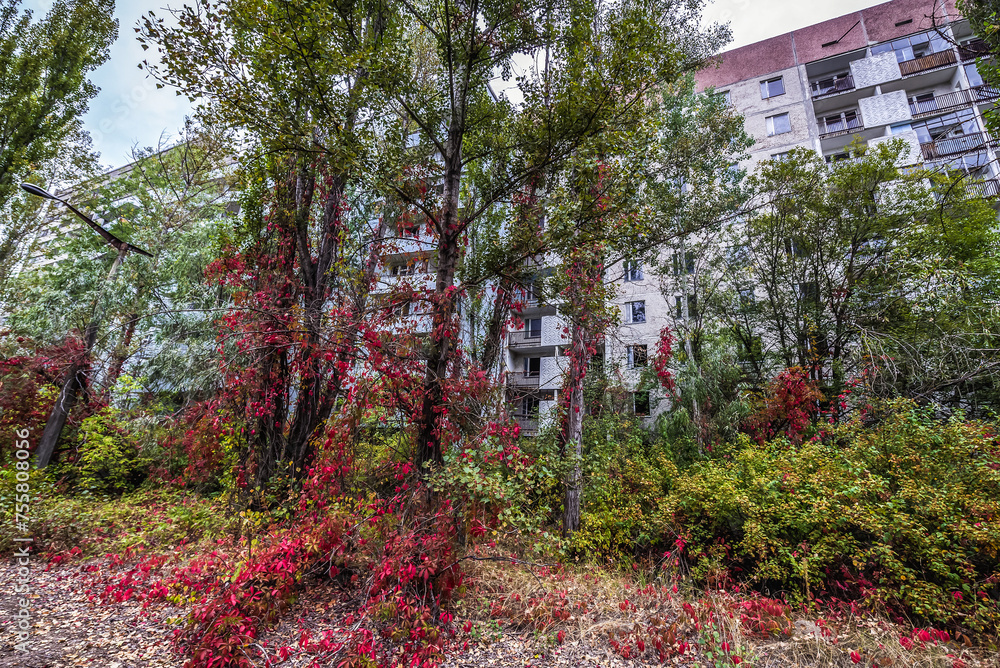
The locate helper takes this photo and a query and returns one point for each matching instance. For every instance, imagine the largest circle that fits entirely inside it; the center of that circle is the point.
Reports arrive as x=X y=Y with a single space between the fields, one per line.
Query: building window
x=528 y=407
x=686 y=266
x=409 y=228
x=795 y=247
x=746 y=297
x=635 y=312
x=809 y=292
x=692 y=306
x=914 y=46
x=778 y=125
x=640 y=403
x=636 y=356
x=411 y=268
x=972 y=72
x=532 y=367
x=633 y=271
x=780 y=156
x=771 y=88
x=533 y=328
x=726 y=98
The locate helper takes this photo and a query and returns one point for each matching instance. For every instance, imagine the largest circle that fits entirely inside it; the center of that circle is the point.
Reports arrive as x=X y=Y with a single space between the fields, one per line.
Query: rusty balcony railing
x=951 y=145
x=987 y=188
x=929 y=62
x=522 y=379
x=528 y=425
x=526 y=338
x=825 y=87
x=842 y=126
x=958 y=98
x=974 y=49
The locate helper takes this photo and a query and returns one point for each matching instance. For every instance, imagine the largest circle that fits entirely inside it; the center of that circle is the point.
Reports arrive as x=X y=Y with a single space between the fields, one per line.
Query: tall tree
x=44 y=90
x=863 y=264
x=595 y=67
x=302 y=80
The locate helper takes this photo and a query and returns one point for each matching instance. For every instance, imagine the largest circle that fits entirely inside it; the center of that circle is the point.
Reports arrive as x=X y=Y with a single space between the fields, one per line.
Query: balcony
x=931 y=61
x=525 y=339
x=520 y=379
x=973 y=50
x=948 y=101
x=825 y=87
x=953 y=145
x=528 y=425
x=986 y=189
x=843 y=126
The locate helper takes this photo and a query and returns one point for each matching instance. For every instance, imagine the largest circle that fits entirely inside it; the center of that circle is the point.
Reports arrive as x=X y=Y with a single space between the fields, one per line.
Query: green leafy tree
x=158 y=312
x=44 y=91
x=862 y=265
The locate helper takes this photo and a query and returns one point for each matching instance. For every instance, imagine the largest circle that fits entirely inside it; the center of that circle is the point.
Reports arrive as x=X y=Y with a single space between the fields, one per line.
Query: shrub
x=905 y=515
x=110 y=461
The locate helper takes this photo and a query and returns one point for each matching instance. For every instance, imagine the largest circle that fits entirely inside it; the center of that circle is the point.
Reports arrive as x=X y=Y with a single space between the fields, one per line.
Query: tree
x=837 y=269
x=597 y=65
x=300 y=80
x=44 y=91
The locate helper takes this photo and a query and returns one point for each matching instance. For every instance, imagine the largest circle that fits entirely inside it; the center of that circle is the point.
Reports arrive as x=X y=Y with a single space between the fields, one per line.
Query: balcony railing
x=929 y=62
x=841 y=85
x=841 y=127
x=526 y=338
x=985 y=93
x=528 y=425
x=522 y=379
x=972 y=50
x=952 y=145
x=986 y=189
x=959 y=98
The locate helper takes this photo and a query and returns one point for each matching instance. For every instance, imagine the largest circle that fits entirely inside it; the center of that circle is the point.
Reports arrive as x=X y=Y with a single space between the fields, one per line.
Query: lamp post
x=75 y=376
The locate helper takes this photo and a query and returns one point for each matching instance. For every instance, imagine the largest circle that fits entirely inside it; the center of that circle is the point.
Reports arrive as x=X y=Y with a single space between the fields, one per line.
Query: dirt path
x=69 y=630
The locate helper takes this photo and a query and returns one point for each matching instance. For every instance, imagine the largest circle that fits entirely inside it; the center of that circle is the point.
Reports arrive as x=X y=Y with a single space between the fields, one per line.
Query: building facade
x=905 y=68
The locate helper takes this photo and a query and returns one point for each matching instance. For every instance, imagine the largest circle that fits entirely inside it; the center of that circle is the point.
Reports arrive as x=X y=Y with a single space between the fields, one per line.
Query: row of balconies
x=834 y=85
x=851 y=121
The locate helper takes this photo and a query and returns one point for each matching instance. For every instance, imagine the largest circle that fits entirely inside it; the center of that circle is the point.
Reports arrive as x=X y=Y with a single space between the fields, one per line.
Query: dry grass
x=647 y=619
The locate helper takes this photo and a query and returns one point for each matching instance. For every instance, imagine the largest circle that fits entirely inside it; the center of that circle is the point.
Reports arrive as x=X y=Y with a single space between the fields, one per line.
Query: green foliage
x=110 y=461
x=142 y=520
x=903 y=514
x=43 y=75
x=625 y=473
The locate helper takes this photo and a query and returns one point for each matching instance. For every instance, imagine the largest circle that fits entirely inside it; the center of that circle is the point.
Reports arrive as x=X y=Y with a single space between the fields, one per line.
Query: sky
x=130 y=111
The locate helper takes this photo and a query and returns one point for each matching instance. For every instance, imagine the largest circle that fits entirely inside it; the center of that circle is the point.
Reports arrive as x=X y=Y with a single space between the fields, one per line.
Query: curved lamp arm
x=110 y=238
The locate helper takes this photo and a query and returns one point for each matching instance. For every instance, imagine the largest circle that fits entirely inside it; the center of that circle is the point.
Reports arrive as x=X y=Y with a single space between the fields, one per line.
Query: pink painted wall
x=747 y=62
x=878 y=24
x=881 y=20
x=809 y=41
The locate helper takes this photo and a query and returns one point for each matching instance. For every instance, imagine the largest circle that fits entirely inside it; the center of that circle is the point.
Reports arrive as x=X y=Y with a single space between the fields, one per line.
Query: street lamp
x=75 y=376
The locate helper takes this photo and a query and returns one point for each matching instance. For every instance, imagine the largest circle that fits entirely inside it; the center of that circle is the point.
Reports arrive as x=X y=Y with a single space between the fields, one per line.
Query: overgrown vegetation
x=310 y=389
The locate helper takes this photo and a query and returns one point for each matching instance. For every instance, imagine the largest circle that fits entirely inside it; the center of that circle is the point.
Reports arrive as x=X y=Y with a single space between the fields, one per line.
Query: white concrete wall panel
x=875 y=70
x=885 y=109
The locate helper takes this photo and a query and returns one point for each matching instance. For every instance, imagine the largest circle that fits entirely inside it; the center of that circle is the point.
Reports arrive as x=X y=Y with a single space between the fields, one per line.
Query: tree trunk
x=76 y=378
x=443 y=329
x=121 y=352
x=573 y=438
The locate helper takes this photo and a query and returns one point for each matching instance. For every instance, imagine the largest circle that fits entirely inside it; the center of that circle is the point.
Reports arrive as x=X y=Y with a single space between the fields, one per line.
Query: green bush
x=625 y=475
x=905 y=515
x=110 y=459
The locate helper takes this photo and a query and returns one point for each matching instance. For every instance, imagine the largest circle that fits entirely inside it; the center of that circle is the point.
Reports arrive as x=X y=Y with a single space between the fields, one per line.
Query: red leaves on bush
x=787 y=407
